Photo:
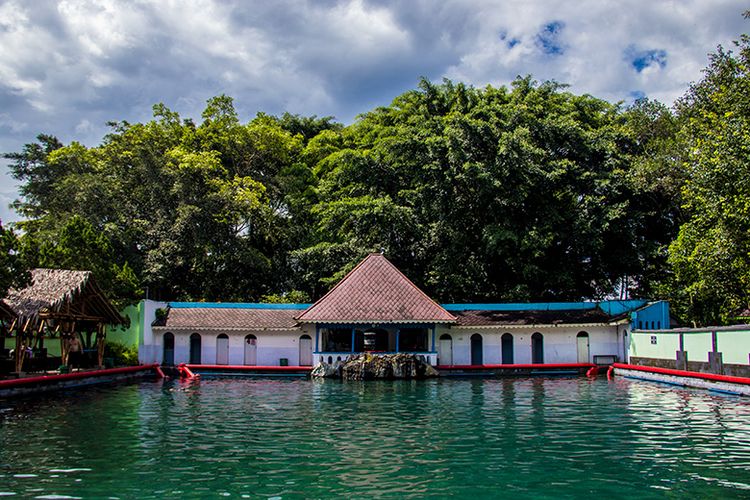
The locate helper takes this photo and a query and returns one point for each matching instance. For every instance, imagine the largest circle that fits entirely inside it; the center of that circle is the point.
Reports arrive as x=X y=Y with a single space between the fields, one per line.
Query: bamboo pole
x=100 y=344
x=17 y=353
x=20 y=352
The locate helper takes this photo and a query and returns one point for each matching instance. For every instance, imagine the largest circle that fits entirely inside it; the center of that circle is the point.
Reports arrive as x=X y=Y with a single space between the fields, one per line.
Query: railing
x=338 y=357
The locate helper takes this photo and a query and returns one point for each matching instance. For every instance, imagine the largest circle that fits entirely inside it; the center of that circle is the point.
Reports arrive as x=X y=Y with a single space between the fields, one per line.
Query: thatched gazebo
x=60 y=301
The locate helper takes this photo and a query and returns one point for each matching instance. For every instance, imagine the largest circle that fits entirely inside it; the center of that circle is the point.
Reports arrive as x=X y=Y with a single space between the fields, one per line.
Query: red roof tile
x=376 y=292
x=520 y=318
x=204 y=318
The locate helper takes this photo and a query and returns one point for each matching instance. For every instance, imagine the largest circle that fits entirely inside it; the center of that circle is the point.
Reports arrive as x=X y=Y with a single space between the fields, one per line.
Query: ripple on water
x=529 y=438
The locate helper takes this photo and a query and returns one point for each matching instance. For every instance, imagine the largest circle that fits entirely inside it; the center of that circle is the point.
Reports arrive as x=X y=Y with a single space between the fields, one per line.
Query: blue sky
x=68 y=67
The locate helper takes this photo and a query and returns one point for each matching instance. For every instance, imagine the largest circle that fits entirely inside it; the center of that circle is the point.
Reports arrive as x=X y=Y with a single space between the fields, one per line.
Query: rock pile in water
x=377 y=366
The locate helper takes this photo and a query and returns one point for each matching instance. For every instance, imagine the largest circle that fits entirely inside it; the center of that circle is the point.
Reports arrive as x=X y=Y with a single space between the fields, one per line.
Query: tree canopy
x=519 y=193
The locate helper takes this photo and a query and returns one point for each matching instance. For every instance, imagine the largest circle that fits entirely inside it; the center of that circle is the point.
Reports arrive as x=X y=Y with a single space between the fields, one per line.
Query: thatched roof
x=62 y=294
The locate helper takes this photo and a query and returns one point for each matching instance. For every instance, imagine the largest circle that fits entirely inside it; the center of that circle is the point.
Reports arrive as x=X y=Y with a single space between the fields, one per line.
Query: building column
x=353 y=333
x=317 y=338
x=434 y=347
x=398 y=334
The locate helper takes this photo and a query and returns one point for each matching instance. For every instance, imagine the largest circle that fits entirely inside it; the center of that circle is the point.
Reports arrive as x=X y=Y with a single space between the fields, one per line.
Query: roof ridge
x=416 y=287
x=379 y=272
x=336 y=286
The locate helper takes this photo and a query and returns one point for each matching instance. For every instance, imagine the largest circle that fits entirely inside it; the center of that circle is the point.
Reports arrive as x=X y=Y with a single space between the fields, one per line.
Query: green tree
x=710 y=258
x=79 y=246
x=14 y=271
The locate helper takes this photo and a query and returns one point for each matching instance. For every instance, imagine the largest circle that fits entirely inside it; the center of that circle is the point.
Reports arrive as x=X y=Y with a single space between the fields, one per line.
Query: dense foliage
x=710 y=257
x=13 y=268
x=494 y=194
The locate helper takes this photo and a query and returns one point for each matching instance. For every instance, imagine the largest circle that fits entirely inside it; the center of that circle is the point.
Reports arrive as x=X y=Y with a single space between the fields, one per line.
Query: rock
x=385 y=366
x=324 y=370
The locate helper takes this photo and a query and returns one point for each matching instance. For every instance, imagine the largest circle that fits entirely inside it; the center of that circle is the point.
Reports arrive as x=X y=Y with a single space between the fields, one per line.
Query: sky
x=68 y=67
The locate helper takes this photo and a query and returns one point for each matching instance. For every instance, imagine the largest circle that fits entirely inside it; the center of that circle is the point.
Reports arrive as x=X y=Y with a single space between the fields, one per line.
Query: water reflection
x=294 y=438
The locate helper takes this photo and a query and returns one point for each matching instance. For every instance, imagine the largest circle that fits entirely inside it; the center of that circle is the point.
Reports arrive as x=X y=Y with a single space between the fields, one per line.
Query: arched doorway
x=445 y=350
x=477 y=357
x=167 y=357
x=537 y=348
x=506 y=348
x=305 y=350
x=251 y=350
x=195 y=349
x=222 y=349
x=582 y=341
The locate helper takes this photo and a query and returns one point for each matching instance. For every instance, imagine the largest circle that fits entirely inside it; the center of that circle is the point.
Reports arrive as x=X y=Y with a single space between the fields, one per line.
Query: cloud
x=69 y=66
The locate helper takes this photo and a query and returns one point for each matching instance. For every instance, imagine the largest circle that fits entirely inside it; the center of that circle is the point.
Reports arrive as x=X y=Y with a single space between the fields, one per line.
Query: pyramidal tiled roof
x=376 y=292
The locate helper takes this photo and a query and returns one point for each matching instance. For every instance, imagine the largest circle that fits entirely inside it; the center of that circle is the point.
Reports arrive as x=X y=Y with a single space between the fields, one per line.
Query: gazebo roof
x=62 y=294
x=375 y=291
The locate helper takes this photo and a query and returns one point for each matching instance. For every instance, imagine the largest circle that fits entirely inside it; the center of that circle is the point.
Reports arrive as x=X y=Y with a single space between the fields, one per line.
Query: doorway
x=305 y=350
x=445 y=350
x=222 y=349
x=195 y=349
x=582 y=341
x=476 y=350
x=167 y=357
x=537 y=348
x=506 y=348
x=251 y=350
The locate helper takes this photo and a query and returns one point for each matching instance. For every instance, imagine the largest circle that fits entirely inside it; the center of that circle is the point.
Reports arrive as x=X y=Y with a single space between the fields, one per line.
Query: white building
x=375 y=308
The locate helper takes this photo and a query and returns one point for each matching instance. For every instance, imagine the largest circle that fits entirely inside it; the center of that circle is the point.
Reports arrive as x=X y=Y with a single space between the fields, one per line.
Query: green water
x=520 y=438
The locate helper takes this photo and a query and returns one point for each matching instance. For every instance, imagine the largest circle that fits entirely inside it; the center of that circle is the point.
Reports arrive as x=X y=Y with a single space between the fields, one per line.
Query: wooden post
x=65 y=333
x=17 y=353
x=20 y=350
x=2 y=335
x=100 y=344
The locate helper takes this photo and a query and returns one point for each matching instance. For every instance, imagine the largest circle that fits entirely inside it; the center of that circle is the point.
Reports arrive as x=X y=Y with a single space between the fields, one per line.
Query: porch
x=334 y=342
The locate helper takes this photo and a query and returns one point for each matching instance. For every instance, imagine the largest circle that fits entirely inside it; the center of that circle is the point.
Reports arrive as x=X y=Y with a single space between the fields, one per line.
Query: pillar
x=100 y=345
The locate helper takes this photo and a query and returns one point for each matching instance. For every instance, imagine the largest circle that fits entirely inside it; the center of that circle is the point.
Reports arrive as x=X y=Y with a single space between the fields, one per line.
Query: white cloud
x=69 y=66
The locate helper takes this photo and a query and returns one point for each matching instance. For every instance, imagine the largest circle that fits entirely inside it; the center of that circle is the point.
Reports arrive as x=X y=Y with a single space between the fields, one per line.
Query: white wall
x=148 y=351
x=560 y=343
x=271 y=346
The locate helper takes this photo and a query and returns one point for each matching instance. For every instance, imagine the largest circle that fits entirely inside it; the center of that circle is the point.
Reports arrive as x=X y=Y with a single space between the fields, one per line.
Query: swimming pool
x=266 y=438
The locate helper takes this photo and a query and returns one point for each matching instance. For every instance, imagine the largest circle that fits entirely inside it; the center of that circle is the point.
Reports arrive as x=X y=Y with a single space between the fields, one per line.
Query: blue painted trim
x=365 y=326
x=317 y=338
x=434 y=347
x=353 y=333
x=234 y=305
x=398 y=334
x=609 y=306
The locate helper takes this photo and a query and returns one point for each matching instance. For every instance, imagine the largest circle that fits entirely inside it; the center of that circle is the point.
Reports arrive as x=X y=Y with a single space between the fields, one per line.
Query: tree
x=710 y=258
x=13 y=268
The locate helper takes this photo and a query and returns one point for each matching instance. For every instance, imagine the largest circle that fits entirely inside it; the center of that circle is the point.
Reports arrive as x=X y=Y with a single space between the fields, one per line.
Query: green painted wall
x=52 y=345
x=735 y=346
x=666 y=345
x=128 y=336
x=698 y=345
